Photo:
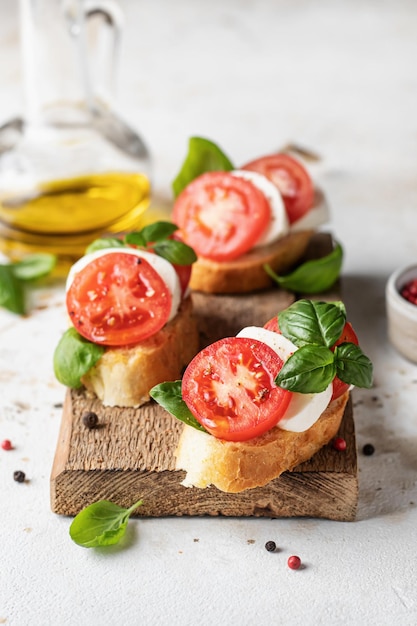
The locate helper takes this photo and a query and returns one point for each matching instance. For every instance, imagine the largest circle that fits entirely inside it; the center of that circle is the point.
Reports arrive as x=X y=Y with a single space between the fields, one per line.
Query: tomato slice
x=229 y=387
x=348 y=335
x=292 y=180
x=272 y=325
x=221 y=216
x=118 y=299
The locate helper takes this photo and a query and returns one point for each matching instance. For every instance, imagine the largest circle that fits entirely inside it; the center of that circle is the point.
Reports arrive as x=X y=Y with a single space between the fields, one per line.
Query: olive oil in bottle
x=64 y=216
x=71 y=169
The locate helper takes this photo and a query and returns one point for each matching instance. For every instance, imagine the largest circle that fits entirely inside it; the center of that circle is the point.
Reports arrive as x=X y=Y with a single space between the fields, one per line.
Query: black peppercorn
x=19 y=476
x=368 y=449
x=90 y=419
x=271 y=546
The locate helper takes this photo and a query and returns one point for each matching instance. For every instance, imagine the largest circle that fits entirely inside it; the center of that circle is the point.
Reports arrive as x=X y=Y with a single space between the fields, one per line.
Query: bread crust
x=237 y=466
x=123 y=376
x=247 y=273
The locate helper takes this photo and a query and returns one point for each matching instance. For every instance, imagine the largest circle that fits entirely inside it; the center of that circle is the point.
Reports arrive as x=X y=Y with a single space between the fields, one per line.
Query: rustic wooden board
x=131 y=454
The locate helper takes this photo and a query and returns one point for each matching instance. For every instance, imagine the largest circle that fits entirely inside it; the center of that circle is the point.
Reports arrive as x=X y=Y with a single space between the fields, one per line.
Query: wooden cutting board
x=131 y=454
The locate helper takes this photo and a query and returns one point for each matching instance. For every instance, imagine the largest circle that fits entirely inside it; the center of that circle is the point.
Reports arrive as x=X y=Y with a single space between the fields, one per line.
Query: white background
x=339 y=78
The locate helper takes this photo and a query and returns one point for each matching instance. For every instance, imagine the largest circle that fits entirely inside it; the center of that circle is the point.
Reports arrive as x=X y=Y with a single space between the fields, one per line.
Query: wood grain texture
x=131 y=454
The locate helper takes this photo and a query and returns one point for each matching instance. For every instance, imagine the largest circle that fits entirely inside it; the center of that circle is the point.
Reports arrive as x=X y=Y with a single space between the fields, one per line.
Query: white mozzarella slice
x=279 y=225
x=159 y=264
x=305 y=408
x=316 y=216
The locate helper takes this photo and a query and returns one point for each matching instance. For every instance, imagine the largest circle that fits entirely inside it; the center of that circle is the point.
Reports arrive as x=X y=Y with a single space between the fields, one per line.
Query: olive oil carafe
x=71 y=169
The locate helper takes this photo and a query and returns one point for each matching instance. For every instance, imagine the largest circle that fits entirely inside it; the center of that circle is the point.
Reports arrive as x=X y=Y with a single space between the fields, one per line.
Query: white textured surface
x=340 y=78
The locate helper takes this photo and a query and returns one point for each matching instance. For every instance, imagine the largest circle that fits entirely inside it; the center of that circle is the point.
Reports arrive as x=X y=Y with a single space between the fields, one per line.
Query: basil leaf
x=101 y=524
x=353 y=366
x=105 y=242
x=12 y=295
x=203 y=156
x=135 y=239
x=308 y=322
x=310 y=369
x=313 y=276
x=158 y=231
x=74 y=356
x=34 y=266
x=175 y=252
x=168 y=395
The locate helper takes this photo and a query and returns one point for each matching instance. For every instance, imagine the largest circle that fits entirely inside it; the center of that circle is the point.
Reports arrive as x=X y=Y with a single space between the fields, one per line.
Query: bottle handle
x=97 y=26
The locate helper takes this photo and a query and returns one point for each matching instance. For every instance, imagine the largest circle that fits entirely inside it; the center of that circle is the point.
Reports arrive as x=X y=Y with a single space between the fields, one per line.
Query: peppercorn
x=294 y=562
x=90 y=419
x=339 y=444
x=409 y=291
x=19 y=476
x=271 y=546
x=368 y=449
x=6 y=444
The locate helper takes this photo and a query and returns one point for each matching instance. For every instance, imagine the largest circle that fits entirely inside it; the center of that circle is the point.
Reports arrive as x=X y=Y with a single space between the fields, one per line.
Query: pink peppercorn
x=409 y=291
x=339 y=444
x=294 y=562
x=6 y=444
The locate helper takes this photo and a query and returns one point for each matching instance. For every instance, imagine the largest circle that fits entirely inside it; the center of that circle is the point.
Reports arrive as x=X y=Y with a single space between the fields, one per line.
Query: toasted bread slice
x=123 y=376
x=247 y=273
x=236 y=466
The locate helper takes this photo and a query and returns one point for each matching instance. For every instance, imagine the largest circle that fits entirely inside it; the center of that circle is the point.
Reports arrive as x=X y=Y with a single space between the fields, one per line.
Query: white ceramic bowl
x=402 y=314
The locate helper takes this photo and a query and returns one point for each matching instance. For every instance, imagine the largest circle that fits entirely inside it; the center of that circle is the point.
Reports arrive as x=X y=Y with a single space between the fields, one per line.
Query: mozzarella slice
x=279 y=225
x=305 y=408
x=159 y=264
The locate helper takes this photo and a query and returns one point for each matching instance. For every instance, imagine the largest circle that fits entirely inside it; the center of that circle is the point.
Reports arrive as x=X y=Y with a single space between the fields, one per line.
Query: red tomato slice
x=272 y=325
x=118 y=299
x=229 y=387
x=292 y=180
x=348 y=335
x=184 y=274
x=183 y=271
x=221 y=216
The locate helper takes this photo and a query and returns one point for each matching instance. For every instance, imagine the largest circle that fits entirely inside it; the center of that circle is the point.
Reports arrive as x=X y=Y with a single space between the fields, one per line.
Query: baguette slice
x=236 y=466
x=123 y=376
x=247 y=273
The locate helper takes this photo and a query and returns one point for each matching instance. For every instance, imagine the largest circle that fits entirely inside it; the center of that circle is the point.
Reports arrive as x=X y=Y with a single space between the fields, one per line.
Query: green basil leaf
x=313 y=276
x=34 y=266
x=158 y=231
x=175 y=252
x=310 y=369
x=203 y=156
x=135 y=239
x=12 y=296
x=309 y=322
x=74 y=356
x=353 y=366
x=168 y=395
x=101 y=524
x=105 y=242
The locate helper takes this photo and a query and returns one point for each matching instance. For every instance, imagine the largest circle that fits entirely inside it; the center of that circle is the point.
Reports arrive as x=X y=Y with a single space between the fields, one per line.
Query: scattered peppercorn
x=368 y=449
x=19 y=476
x=271 y=546
x=6 y=444
x=90 y=419
x=409 y=291
x=294 y=562
x=339 y=444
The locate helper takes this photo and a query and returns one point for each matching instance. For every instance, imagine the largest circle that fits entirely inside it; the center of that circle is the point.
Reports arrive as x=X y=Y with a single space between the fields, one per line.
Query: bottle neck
x=65 y=55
